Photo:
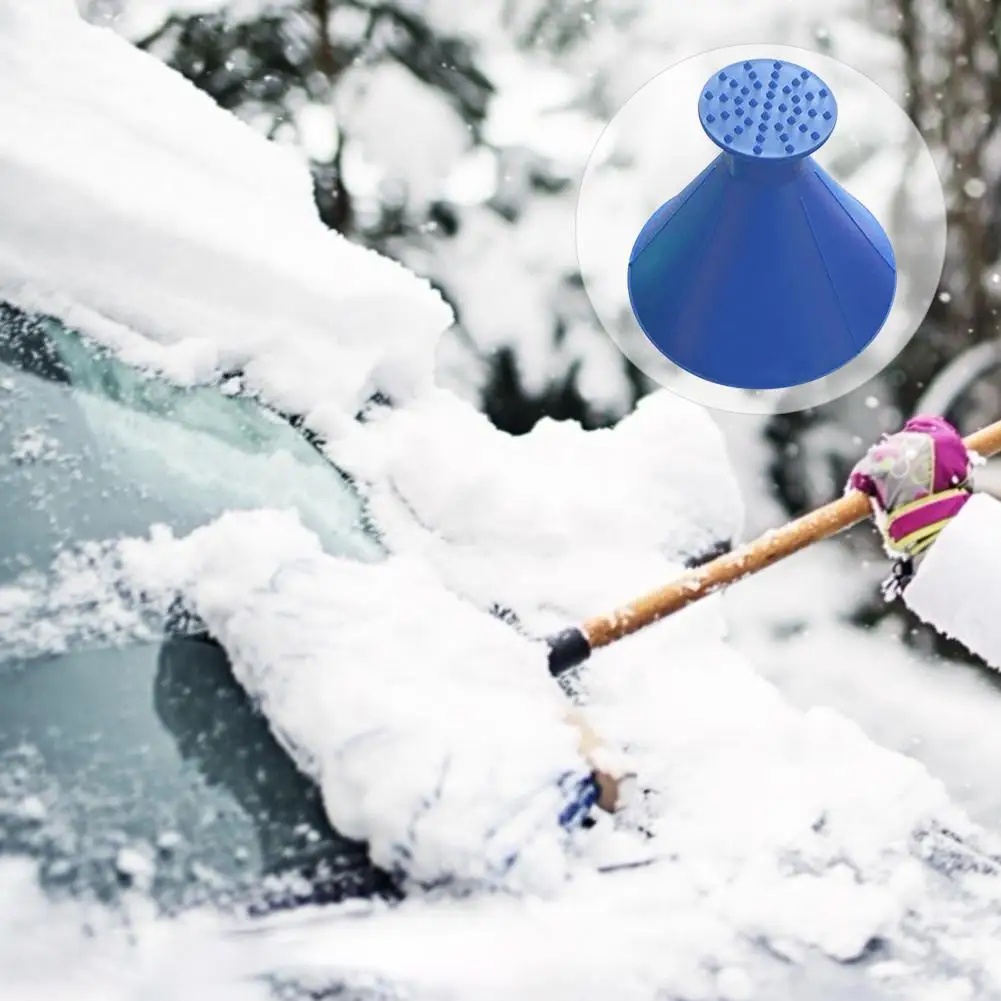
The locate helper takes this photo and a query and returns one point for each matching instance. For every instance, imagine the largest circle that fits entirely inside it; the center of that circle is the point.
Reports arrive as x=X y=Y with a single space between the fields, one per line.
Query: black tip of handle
x=567 y=649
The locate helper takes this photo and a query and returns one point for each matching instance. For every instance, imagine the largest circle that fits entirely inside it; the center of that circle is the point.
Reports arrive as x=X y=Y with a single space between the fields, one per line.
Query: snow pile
x=791 y=830
x=947 y=715
x=131 y=203
x=555 y=525
x=82 y=952
x=774 y=826
x=433 y=730
x=577 y=523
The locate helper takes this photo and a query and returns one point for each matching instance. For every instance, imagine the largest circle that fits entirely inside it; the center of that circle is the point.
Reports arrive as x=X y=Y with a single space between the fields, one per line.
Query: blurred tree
x=952 y=92
x=281 y=64
x=953 y=82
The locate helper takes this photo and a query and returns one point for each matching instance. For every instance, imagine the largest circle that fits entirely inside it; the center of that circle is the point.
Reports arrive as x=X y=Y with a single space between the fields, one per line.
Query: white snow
x=775 y=825
x=34 y=445
x=792 y=622
x=418 y=148
x=209 y=243
x=558 y=524
x=77 y=604
x=968 y=549
x=444 y=752
x=779 y=832
x=82 y=952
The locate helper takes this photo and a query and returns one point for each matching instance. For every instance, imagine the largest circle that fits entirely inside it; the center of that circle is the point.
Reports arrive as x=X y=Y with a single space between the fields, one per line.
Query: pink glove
x=918 y=479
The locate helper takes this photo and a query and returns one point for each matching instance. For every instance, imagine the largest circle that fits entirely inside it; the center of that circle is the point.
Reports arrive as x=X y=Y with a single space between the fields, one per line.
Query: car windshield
x=143 y=762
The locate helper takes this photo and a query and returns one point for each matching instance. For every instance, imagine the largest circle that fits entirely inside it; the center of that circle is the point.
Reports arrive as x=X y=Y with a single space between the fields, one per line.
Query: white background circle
x=655 y=145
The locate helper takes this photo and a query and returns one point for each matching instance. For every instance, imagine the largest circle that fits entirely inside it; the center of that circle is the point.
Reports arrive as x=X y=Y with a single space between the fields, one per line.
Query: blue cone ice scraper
x=763 y=273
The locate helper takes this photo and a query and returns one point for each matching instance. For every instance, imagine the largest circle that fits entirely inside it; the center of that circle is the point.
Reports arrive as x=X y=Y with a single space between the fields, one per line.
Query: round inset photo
x=761 y=229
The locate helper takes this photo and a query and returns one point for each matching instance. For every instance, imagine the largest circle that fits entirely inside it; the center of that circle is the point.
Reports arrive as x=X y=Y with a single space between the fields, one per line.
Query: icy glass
x=144 y=764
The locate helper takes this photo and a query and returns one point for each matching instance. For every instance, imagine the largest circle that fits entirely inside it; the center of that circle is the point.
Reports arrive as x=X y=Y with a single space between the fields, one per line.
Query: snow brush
x=573 y=646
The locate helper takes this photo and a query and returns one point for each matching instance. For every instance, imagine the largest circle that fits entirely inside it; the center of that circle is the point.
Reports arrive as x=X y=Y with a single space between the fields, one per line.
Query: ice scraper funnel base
x=763 y=273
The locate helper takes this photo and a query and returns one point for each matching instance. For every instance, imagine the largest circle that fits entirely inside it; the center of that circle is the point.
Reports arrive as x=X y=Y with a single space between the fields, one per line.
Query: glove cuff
x=912 y=528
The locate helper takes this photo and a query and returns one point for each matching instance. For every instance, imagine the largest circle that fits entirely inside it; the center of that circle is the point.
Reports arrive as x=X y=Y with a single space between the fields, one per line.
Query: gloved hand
x=918 y=479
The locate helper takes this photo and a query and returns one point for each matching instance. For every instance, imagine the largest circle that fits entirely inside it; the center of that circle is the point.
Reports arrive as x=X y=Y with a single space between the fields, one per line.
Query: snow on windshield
x=209 y=240
x=782 y=841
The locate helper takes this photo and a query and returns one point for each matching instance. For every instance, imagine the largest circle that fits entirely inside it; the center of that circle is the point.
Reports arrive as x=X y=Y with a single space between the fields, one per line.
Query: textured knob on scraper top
x=763 y=273
x=767 y=110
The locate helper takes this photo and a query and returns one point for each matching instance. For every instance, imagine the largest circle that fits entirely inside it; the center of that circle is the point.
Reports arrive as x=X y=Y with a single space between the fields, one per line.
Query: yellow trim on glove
x=920 y=539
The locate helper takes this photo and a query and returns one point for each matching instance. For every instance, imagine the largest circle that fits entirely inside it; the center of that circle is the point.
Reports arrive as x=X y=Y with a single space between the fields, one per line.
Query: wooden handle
x=750 y=558
x=985 y=442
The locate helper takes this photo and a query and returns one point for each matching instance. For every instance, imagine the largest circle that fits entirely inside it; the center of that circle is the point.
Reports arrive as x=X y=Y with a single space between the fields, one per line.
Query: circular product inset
x=763 y=273
x=784 y=255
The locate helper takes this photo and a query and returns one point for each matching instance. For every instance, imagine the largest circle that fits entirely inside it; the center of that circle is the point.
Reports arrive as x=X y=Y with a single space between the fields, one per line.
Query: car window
x=90 y=448
x=144 y=763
